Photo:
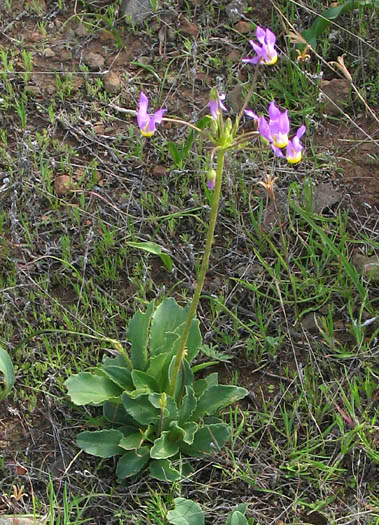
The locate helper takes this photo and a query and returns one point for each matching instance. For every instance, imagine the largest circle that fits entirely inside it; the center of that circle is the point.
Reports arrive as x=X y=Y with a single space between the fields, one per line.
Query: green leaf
x=166 y=327
x=237 y=518
x=208 y=439
x=187 y=405
x=202 y=366
x=184 y=378
x=85 y=388
x=167 y=445
x=166 y=318
x=6 y=368
x=115 y=413
x=163 y=470
x=186 y=512
x=157 y=367
x=140 y=408
x=194 y=340
x=190 y=428
x=118 y=360
x=101 y=443
x=119 y=375
x=131 y=441
x=132 y=462
x=188 y=143
x=144 y=381
x=176 y=155
x=241 y=510
x=154 y=248
x=323 y=21
x=137 y=334
x=201 y=385
x=217 y=397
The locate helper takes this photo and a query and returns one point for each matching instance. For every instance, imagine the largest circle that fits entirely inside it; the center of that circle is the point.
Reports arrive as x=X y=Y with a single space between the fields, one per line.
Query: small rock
x=338 y=90
x=49 y=53
x=112 y=82
x=235 y=9
x=81 y=30
x=69 y=34
x=106 y=37
x=171 y=34
x=243 y=27
x=136 y=10
x=324 y=196
x=159 y=170
x=98 y=128
x=50 y=89
x=63 y=185
x=145 y=60
x=367 y=266
x=65 y=55
x=34 y=37
x=189 y=29
x=310 y=322
x=234 y=56
x=33 y=90
x=94 y=61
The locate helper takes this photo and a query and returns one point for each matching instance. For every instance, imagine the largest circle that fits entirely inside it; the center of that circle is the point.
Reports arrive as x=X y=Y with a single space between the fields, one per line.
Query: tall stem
x=180 y=354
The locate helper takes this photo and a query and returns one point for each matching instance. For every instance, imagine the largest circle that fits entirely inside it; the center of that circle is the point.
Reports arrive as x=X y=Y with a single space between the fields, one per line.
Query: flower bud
x=211 y=179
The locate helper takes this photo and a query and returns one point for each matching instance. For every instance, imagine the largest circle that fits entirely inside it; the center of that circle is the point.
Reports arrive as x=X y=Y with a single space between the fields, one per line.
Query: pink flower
x=215 y=103
x=279 y=125
x=295 y=147
x=147 y=123
x=266 y=52
x=276 y=131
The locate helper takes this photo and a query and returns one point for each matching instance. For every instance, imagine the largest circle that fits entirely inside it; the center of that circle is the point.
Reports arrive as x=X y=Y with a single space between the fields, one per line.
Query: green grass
x=304 y=447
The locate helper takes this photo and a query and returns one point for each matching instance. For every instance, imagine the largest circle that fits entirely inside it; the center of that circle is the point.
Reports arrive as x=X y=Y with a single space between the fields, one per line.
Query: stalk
x=180 y=354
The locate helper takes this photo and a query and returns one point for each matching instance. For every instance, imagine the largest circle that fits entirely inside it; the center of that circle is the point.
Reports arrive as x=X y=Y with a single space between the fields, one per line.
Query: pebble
x=94 y=61
x=49 y=53
x=112 y=82
x=338 y=90
x=189 y=29
x=243 y=27
x=136 y=10
x=63 y=185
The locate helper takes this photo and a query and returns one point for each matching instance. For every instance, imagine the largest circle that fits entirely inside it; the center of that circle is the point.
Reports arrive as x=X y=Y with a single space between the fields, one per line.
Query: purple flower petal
x=300 y=132
x=251 y=114
x=260 y=33
x=273 y=111
x=264 y=129
x=142 y=117
x=156 y=119
x=277 y=151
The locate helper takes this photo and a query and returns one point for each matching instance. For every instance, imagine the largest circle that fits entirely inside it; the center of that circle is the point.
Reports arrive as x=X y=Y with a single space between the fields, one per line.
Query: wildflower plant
x=155 y=412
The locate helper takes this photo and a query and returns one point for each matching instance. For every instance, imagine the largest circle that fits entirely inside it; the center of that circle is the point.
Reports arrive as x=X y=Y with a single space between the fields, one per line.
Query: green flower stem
x=180 y=354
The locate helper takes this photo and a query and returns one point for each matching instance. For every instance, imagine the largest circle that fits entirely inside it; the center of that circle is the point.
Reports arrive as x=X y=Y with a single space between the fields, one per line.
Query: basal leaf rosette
x=143 y=424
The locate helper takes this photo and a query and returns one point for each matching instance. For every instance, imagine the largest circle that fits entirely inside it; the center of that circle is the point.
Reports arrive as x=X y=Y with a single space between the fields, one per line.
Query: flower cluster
x=276 y=130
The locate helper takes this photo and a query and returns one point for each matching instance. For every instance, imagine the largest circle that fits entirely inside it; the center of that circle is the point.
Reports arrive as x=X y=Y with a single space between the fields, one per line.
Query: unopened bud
x=211 y=179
